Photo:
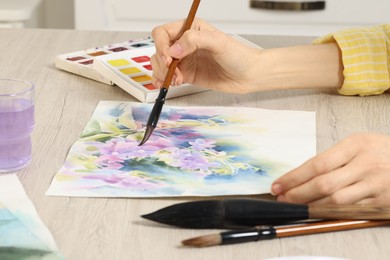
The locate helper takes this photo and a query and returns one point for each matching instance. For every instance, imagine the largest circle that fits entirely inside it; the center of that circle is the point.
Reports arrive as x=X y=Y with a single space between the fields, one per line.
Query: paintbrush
x=270 y=232
x=232 y=213
x=158 y=105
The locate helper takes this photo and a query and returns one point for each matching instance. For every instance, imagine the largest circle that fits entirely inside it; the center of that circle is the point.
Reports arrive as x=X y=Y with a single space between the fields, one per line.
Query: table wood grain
x=100 y=228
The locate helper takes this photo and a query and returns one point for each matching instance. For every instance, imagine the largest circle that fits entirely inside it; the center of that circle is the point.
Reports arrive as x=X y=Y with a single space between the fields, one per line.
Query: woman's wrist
x=311 y=66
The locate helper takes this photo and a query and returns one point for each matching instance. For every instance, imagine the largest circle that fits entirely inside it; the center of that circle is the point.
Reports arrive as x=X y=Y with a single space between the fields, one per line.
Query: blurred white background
x=37 y=13
x=231 y=16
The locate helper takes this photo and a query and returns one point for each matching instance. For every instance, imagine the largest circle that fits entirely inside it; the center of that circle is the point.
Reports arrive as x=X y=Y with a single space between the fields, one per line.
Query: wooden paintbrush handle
x=186 y=26
x=170 y=73
x=327 y=226
x=367 y=212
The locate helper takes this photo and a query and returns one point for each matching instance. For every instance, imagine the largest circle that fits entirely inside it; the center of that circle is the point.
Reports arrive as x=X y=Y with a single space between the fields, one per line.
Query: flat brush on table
x=270 y=232
x=233 y=213
x=158 y=105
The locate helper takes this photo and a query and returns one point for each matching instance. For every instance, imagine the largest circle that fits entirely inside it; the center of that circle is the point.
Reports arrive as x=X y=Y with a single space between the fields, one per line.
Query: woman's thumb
x=176 y=50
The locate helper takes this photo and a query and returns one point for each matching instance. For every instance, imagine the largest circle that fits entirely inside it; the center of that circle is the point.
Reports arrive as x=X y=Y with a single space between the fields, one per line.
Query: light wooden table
x=99 y=228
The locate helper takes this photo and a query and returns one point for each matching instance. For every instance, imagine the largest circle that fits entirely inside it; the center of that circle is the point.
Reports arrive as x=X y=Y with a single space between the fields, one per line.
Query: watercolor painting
x=22 y=233
x=194 y=151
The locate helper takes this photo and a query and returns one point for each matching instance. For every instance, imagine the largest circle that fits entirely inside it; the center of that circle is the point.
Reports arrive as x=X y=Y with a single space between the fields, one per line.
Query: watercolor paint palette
x=81 y=62
x=126 y=65
x=131 y=70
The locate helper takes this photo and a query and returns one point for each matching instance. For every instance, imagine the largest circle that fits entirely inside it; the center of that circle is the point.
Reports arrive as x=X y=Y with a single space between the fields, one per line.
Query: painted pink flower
x=111 y=161
x=125 y=180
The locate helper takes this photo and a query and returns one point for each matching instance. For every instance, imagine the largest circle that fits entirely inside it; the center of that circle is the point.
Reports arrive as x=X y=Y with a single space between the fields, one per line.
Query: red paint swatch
x=141 y=59
x=88 y=62
x=149 y=86
x=76 y=58
x=148 y=67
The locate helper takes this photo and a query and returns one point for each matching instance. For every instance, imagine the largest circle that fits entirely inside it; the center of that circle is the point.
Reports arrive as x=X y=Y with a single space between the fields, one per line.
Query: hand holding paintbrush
x=158 y=105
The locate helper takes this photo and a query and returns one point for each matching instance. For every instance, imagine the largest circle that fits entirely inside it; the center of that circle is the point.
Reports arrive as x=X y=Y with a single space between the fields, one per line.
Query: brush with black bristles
x=238 y=213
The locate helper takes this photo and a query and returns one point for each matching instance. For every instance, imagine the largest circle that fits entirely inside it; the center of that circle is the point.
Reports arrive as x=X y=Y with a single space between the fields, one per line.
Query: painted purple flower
x=124 y=149
x=131 y=150
x=200 y=144
x=191 y=160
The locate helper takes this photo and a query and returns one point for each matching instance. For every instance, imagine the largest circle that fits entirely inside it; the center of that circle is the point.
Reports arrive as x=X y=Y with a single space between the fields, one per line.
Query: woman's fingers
x=347 y=195
x=373 y=188
x=193 y=40
x=364 y=178
x=159 y=70
x=164 y=35
x=327 y=185
x=323 y=163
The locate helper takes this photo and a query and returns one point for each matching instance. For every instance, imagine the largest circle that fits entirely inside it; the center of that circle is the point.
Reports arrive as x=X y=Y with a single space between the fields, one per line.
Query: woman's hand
x=356 y=170
x=208 y=58
x=212 y=59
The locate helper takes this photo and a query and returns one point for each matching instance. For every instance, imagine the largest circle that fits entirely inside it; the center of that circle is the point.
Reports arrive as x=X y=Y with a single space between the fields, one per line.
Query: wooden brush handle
x=186 y=26
x=368 y=212
x=327 y=226
x=170 y=73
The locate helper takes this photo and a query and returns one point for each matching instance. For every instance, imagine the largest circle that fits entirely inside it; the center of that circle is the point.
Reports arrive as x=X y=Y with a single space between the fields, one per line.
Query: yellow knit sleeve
x=366 y=58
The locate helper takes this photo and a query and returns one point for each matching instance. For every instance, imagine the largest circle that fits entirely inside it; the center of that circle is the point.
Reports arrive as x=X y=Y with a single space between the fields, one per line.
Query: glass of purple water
x=16 y=123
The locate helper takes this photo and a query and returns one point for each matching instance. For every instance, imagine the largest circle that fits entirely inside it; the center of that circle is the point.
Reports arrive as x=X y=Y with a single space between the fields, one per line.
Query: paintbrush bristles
x=148 y=133
x=203 y=241
x=197 y=214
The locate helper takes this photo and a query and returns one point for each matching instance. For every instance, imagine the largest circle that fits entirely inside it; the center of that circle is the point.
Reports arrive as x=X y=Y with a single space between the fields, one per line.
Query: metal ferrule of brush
x=249 y=212
x=157 y=108
x=248 y=235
